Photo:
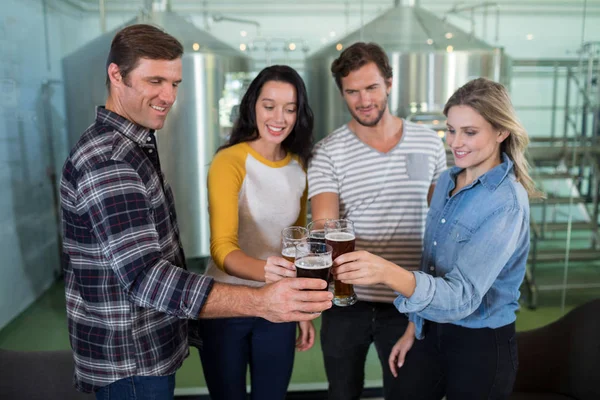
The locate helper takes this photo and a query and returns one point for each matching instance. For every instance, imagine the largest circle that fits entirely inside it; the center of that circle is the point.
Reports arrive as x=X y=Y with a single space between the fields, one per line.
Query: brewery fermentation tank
x=430 y=59
x=198 y=123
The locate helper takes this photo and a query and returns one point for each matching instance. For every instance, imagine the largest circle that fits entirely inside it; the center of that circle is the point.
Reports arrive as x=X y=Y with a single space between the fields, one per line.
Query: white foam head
x=313 y=262
x=339 y=236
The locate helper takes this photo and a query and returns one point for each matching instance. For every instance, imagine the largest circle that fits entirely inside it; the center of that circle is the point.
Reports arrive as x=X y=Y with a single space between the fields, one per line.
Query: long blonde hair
x=491 y=100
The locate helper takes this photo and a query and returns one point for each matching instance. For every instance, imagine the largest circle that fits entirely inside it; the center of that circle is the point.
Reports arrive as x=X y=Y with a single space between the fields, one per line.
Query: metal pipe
x=554 y=100
x=484 y=24
x=566 y=110
x=102 y=10
x=362 y=22
x=220 y=18
x=497 y=38
x=46 y=38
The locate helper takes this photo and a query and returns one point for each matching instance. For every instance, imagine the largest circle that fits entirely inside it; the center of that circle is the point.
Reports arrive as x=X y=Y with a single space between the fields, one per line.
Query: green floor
x=43 y=327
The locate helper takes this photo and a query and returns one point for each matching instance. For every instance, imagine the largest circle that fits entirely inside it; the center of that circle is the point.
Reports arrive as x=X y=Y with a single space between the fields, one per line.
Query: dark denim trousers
x=139 y=388
x=230 y=345
x=347 y=334
x=461 y=363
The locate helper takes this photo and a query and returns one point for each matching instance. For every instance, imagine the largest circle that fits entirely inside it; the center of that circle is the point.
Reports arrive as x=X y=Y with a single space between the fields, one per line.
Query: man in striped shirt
x=379 y=171
x=128 y=293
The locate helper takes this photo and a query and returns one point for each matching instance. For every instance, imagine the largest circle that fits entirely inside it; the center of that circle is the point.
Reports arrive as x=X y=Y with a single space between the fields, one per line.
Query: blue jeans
x=139 y=388
x=461 y=363
x=229 y=345
x=347 y=334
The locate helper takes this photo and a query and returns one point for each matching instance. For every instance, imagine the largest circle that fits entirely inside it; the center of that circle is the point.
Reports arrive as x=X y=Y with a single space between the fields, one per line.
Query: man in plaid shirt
x=128 y=293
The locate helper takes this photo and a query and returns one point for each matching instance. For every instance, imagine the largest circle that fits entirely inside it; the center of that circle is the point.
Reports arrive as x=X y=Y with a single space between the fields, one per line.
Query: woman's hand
x=361 y=268
x=401 y=348
x=278 y=268
x=306 y=335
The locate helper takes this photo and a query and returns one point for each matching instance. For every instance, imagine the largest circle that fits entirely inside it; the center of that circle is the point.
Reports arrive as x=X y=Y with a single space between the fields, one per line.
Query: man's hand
x=293 y=299
x=278 y=268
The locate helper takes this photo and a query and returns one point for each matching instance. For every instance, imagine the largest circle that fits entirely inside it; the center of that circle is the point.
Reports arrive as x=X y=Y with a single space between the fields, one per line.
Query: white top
x=251 y=200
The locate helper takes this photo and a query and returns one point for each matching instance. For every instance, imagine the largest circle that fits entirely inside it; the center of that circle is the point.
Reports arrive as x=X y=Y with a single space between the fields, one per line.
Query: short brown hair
x=357 y=55
x=141 y=41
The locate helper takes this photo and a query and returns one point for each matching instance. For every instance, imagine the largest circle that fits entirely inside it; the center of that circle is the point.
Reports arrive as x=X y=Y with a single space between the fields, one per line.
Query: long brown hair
x=491 y=100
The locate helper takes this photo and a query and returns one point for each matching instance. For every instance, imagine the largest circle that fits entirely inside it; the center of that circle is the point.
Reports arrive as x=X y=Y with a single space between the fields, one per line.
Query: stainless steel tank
x=197 y=125
x=426 y=70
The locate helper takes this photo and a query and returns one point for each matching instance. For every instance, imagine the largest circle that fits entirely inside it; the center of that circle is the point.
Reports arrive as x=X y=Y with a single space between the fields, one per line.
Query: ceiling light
x=450 y=49
x=243 y=47
x=430 y=41
x=196 y=46
x=243 y=33
x=449 y=35
x=529 y=36
x=339 y=47
x=292 y=46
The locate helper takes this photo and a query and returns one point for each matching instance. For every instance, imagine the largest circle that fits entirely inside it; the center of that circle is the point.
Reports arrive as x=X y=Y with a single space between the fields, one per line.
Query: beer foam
x=289 y=252
x=339 y=236
x=313 y=262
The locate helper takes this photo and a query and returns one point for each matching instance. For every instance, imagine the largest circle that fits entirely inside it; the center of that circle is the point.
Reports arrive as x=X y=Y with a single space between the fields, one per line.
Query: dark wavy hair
x=300 y=140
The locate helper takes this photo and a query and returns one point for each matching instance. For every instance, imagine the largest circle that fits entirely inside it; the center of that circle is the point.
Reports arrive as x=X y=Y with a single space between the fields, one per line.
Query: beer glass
x=339 y=234
x=316 y=230
x=290 y=237
x=313 y=260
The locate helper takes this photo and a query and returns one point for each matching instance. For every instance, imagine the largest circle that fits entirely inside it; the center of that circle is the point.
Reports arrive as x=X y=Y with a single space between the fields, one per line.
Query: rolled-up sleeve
x=459 y=293
x=119 y=214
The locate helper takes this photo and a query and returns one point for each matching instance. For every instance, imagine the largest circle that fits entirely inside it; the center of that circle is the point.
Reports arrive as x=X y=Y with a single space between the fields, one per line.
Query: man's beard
x=381 y=110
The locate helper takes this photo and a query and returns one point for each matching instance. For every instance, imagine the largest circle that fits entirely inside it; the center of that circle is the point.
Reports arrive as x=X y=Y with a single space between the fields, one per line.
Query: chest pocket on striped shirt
x=417 y=166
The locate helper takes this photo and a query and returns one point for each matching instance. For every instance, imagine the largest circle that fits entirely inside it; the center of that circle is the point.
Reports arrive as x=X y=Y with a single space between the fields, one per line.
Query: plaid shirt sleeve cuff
x=197 y=289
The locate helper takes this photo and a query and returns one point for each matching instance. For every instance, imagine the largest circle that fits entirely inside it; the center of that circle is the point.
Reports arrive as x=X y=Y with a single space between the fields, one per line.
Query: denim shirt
x=475 y=251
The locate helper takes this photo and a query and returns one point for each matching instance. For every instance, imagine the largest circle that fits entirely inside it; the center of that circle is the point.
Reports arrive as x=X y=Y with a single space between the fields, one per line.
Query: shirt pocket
x=459 y=233
x=418 y=167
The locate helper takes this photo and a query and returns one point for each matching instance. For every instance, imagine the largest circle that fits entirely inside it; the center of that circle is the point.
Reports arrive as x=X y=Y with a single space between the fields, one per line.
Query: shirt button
x=150 y=151
x=443 y=220
x=434 y=243
x=432 y=268
x=149 y=139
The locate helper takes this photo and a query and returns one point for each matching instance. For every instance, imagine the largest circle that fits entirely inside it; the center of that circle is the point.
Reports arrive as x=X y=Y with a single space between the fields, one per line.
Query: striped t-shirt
x=384 y=194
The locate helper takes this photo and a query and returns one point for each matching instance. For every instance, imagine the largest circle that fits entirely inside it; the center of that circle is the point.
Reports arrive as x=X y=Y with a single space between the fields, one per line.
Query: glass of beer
x=339 y=234
x=316 y=230
x=313 y=260
x=290 y=237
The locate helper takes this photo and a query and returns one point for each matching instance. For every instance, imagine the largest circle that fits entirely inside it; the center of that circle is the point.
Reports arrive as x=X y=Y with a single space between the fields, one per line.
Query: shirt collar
x=494 y=177
x=133 y=131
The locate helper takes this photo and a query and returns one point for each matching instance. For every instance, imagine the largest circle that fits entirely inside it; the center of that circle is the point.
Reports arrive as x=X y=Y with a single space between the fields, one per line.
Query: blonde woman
x=462 y=302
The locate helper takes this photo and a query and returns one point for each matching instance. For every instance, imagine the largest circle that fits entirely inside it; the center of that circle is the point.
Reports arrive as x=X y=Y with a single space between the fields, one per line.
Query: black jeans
x=461 y=363
x=347 y=334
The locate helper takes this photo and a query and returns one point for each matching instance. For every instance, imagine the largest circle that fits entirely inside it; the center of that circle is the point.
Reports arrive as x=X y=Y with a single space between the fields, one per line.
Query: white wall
x=28 y=230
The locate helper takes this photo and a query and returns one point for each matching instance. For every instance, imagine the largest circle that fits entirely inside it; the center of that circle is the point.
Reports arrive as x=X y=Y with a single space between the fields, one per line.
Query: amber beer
x=290 y=237
x=289 y=253
x=341 y=243
x=313 y=267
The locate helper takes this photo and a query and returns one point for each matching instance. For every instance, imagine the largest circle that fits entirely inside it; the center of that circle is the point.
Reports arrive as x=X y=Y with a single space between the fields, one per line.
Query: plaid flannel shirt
x=128 y=292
